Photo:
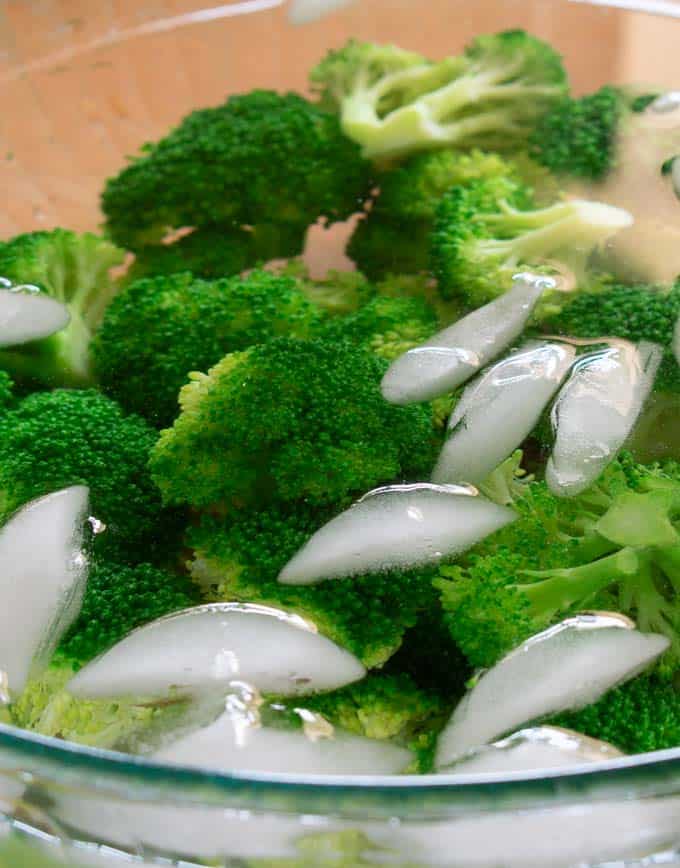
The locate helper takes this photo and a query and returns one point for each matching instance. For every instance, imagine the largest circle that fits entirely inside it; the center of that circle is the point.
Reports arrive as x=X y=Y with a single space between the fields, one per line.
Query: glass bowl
x=82 y=84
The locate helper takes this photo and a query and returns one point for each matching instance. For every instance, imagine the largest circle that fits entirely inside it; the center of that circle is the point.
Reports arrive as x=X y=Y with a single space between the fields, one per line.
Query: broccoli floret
x=578 y=136
x=394 y=237
x=47 y=708
x=239 y=558
x=75 y=270
x=384 y=707
x=487 y=231
x=614 y=547
x=395 y=102
x=387 y=326
x=159 y=329
x=118 y=599
x=642 y=715
x=61 y=438
x=336 y=294
x=6 y=391
x=260 y=158
x=289 y=420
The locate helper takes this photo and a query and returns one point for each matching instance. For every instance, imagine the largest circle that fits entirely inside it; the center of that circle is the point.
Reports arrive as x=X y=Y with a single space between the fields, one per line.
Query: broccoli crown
x=395 y=102
x=488 y=230
x=55 y=439
x=47 y=708
x=218 y=251
x=118 y=599
x=74 y=270
x=387 y=326
x=642 y=715
x=633 y=312
x=261 y=157
x=578 y=136
x=159 y=329
x=289 y=420
x=381 y=246
x=6 y=391
x=239 y=558
x=614 y=547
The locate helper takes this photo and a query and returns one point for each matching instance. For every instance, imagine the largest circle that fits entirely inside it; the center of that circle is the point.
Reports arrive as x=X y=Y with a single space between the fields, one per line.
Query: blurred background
x=83 y=83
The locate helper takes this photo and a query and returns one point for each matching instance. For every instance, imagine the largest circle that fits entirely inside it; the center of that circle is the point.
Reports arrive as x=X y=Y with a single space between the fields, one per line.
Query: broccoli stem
x=560 y=590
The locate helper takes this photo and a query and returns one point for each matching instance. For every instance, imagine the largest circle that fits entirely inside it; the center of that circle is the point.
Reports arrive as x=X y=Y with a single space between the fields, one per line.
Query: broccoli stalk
x=395 y=102
x=74 y=270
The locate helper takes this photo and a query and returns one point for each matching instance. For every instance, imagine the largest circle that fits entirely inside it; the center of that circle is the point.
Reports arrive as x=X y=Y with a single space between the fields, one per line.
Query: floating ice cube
x=596 y=411
x=210 y=646
x=565 y=667
x=500 y=409
x=43 y=572
x=398 y=526
x=26 y=314
x=452 y=356
x=541 y=747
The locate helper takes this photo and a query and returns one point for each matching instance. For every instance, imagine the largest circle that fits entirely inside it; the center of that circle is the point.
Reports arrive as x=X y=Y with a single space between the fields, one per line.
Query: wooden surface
x=85 y=82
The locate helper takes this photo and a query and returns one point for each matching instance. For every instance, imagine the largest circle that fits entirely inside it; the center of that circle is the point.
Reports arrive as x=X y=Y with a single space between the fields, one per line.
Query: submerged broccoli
x=125 y=723
x=614 y=547
x=260 y=158
x=55 y=439
x=118 y=599
x=642 y=715
x=395 y=102
x=384 y=707
x=75 y=270
x=336 y=294
x=239 y=558
x=382 y=245
x=387 y=326
x=487 y=231
x=578 y=136
x=159 y=329
x=289 y=420
x=637 y=313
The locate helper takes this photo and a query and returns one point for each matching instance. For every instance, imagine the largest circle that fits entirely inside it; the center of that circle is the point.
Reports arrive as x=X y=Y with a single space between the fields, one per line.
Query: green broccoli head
x=395 y=102
x=487 y=231
x=240 y=557
x=578 y=136
x=55 y=439
x=119 y=598
x=642 y=715
x=75 y=270
x=159 y=329
x=289 y=421
x=126 y=723
x=387 y=326
x=260 y=158
x=614 y=547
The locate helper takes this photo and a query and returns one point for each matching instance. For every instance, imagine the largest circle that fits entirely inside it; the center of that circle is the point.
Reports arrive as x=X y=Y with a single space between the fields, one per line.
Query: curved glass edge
x=36 y=758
